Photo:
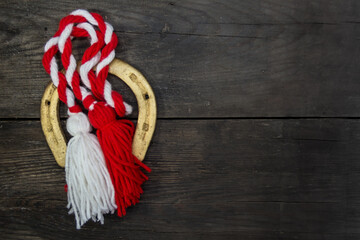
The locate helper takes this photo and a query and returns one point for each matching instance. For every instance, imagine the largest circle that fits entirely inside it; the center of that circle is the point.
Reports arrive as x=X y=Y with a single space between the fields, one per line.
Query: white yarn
x=65 y=34
x=108 y=32
x=52 y=42
x=128 y=108
x=85 y=14
x=90 y=190
x=54 y=72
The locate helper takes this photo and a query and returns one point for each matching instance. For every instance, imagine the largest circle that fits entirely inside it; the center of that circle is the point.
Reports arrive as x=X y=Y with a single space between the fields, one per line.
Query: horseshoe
x=145 y=127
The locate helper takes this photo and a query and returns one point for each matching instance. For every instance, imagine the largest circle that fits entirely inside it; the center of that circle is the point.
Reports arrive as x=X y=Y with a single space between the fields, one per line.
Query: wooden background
x=258 y=135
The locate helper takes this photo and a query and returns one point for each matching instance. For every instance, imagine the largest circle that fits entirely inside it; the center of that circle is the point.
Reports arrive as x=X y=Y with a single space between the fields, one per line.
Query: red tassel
x=115 y=137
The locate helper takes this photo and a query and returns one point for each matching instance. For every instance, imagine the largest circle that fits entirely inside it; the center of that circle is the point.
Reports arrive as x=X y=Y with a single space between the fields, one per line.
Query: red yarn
x=119 y=103
x=115 y=137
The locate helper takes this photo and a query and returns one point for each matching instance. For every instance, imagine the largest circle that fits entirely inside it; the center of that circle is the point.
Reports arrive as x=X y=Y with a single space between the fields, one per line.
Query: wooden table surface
x=258 y=132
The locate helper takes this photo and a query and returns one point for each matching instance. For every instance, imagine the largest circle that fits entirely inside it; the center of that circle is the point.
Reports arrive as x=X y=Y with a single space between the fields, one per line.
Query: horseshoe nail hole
x=146 y=96
x=133 y=77
x=47 y=102
x=145 y=127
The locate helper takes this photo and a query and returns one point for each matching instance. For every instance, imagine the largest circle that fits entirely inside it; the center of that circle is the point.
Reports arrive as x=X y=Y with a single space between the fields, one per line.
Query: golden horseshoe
x=145 y=127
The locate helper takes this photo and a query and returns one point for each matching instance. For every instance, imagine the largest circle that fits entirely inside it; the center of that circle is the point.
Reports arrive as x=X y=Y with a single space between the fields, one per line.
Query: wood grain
x=259 y=131
x=204 y=59
x=260 y=179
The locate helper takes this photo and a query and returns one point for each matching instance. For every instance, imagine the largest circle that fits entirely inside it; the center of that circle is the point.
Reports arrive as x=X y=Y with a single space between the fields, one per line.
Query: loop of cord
x=99 y=86
x=72 y=77
x=101 y=52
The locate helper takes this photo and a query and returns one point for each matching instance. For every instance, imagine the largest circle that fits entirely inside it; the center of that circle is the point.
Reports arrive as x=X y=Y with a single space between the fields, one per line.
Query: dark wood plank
x=322 y=217
x=353 y=187
x=248 y=179
x=212 y=179
x=313 y=236
x=203 y=17
x=204 y=58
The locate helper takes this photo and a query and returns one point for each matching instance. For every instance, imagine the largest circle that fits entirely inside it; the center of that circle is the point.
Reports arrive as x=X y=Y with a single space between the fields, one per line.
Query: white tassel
x=90 y=190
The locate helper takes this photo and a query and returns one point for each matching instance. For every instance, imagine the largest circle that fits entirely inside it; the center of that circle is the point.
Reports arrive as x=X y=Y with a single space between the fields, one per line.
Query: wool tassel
x=115 y=137
x=89 y=187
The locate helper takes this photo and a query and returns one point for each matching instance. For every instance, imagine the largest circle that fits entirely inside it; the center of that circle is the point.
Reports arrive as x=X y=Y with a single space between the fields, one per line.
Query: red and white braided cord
x=98 y=84
x=100 y=87
x=72 y=77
